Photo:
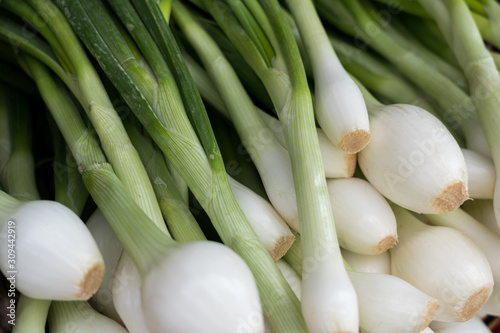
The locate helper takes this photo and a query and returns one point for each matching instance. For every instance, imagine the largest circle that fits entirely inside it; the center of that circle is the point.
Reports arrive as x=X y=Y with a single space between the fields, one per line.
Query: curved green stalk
x=31 y=315
x=483 y=76
x=218 y=201
x=120 y=152
x=4 y=129
x=180 y=221
x=18 y=178
x=18 y=174
x=315 y=214
x=485 y=21
x=25 y=11
x=275 y=79
x=130 y=223
x=456 y=104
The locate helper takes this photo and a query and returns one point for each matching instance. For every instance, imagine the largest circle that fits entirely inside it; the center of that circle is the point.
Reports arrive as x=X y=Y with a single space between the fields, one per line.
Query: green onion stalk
x=457 y=107
x=400 y=34
x=264 y=148
x=337 y=163
x=69 y=188
x=378 y=76
x=338 y=104
x=326 y=306
x=18 y=179
x=126 y=287
x=149 y=246
x=382 y=79
x=484 y=13
x=70 y=191
x=427 y=32
x=483 y=76
x=31 y=312
x=81 y=77
x=204 y=171
x=18 y=175
x=5 y=145
x=239 y=165
x=181 y=222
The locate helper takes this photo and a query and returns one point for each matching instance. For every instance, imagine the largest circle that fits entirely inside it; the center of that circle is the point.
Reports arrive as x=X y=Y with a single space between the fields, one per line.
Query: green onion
x=415 y=162
x=481 y=72
x=437 y=259
x=339 y=107
x=213 y=192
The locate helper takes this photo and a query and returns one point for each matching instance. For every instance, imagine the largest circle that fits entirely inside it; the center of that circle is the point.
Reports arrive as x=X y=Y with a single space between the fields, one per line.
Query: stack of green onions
x=250 y=165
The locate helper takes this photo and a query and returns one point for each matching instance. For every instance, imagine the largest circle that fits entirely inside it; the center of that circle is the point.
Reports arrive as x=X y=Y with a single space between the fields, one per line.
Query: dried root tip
x=350 y=165
x=432 y=307
x=91 y=281
x=474 y=303
x=450 y=198
x=354 y=141
x=386 y=243
x=282 y=246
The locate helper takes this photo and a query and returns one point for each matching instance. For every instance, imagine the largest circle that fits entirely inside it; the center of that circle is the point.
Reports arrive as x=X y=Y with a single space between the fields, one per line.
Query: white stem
x=336 y=162
x=127 y=295
x=414 y=160
x=481 y=175
x=111 y=250
x=292 y=277
x=270 y=228
x=364 y=220
x=338 y=103
x=362 y=263
x=443 y=263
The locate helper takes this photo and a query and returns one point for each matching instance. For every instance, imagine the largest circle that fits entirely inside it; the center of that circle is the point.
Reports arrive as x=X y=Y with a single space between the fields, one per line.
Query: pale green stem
x=31 y=315
x=180 y=221
x=115 y=142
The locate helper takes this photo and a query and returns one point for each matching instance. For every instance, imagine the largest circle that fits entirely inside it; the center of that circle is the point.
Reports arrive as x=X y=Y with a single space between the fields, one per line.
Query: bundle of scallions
x=230 y=166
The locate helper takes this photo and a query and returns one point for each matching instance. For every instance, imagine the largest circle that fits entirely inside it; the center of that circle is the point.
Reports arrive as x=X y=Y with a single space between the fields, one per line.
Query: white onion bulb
x=364 y=220
x=201 y=287
x=270 y=228
x=389 y=304
x=414 y=161
x=55 y=255
x=443 y=263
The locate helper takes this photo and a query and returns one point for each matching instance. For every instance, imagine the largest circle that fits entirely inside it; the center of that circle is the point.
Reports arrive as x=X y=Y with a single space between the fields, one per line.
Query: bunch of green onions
x=250 y=165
